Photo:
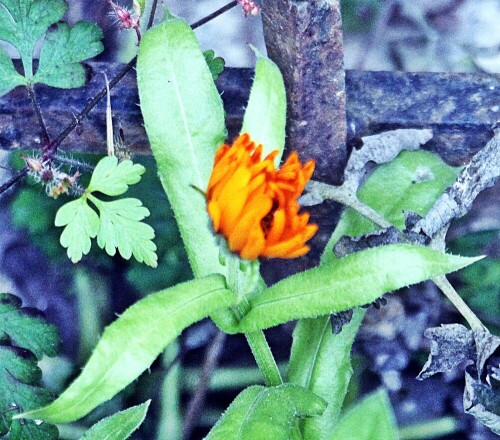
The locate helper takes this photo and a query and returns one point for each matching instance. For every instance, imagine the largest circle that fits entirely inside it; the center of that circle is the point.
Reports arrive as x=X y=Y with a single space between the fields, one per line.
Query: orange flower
x=255 y=206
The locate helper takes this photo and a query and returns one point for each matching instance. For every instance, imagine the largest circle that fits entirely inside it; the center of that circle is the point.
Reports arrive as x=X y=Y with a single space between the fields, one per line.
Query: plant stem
x=343 y=195
x=242 y=283
x=195 y=406
x=450 y=293
x=38 y=112
x=264 y=358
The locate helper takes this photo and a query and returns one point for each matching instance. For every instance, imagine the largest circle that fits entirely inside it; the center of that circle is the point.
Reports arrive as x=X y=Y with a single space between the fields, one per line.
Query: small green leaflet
x=260 y=413
x=9 y=78
x=63 y=51
x=215 y=64
x=119 y=223
x=26 y=337
x=370 y=419
x=24 y=22
x=119 y=426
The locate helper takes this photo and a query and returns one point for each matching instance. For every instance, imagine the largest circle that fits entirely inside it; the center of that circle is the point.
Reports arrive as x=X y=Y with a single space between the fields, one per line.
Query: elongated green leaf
x=132 y=343
x=119 y=426
x=321 y=362
x=260 y=413
x=352 y=281
x=413 y=181
x=370 y=419
x=184 y=120
x=265 y=116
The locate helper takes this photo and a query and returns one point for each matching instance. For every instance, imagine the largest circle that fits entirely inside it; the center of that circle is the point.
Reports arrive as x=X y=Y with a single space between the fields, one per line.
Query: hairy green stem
x=241 y=279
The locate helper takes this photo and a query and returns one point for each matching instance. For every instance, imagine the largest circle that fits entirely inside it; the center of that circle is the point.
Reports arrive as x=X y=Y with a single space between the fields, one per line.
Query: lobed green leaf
x=26 y=327
x=81 y=224
x=63 y=50
x=215 y=64
x=355 y=280
x=26 y=337
x=121 y=228
x=265 y=115
x=260 y=413
x=24 y=22
x=131 y=344
x=113 y=178
x=9 y=78
x=119 y=426
x=370 y=419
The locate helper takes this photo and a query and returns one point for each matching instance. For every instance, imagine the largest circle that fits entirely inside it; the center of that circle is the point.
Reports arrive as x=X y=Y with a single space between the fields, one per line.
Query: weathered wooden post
x=305 y=39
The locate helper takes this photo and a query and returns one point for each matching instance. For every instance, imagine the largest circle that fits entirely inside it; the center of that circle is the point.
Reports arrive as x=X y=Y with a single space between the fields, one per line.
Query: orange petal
x=214 y=213
x=277 y=227
x=255 y=211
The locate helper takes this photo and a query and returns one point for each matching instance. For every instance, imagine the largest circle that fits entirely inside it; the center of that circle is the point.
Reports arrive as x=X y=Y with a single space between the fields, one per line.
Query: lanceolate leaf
x=413 y=181
x=119 y=426
x=260 y=413
x=370 y=419
x=184 y=120
x=355 y=280
x=132 y=343
x=265 y=116
x=321 y=362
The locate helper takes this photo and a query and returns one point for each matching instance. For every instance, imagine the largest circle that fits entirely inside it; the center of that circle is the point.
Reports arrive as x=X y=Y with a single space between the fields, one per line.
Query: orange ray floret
x=254 y=205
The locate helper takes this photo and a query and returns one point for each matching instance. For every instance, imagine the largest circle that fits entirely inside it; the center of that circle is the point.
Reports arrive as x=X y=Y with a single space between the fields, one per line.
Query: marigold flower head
x=254 y=205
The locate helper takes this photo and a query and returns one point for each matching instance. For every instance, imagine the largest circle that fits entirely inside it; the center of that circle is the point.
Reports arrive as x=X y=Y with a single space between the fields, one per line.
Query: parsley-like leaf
x=113 y=178
x=26 y=336
x=63 y=50
x=119 y=224
x=215 y=64
x=82 y=224
x=121 y=228
x=24 y=22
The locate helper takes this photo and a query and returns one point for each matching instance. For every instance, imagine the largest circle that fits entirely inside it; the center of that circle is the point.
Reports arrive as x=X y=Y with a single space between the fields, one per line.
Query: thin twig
x=209 y=365
x=38 y=112
x=13 y=180
x=214 y=14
